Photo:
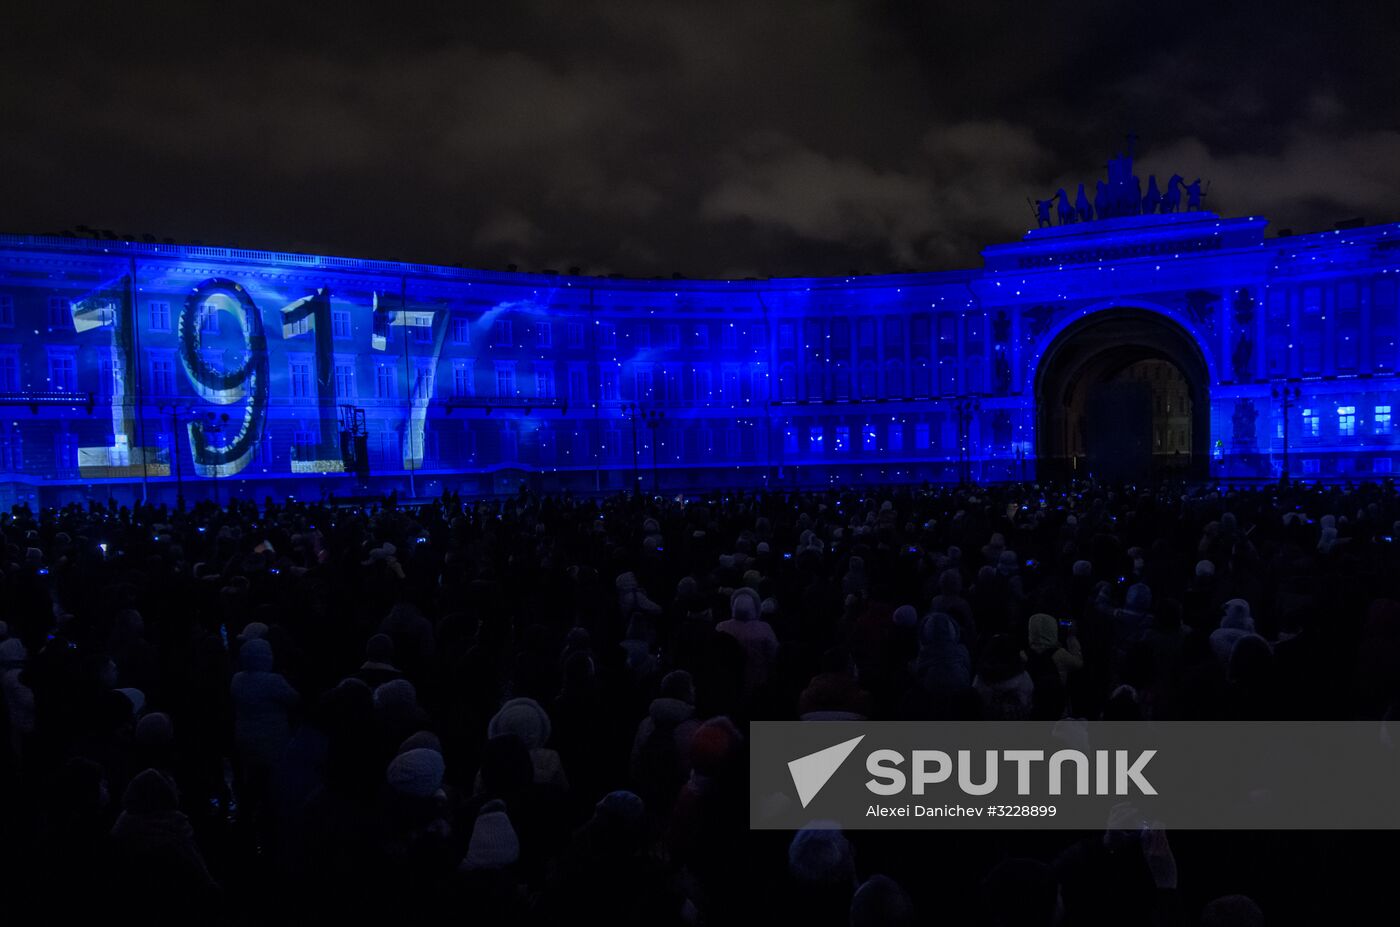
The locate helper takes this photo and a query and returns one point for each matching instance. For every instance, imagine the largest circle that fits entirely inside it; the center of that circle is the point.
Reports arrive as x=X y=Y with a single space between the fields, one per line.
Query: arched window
x=894 y=379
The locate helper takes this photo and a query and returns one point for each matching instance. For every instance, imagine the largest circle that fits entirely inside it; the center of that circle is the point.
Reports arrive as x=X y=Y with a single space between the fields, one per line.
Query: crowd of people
x=536 y=709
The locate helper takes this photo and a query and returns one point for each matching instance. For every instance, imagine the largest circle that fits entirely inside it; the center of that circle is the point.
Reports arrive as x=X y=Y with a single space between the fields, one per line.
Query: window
x=162 y=376
x=9 y=373
x=544 y=334
x=1310 y=465
x=729 y=383
x=789 y=440
x=894 y=379
x=701 y=337
x=575 y=331
x=300 y=327
x=1382 y=420
x=700 y=383
x=461 y=331
x=345 y=380
x=843 y=439
x=340 y=323
x=644 y=384
x=607 y=335
x=501 y=334
x=505 y=381
x=385 y=383
x=544 y=383
x=609 y=385
x=867 y=333
x=785 y=337
x=63 y=373
x=209 y=319
x=301 y=379
x=1346 y=421
x=423 y=382
x=578 y=384
x=673 y=335
x=869 y=440
x=643 y=332
x=59 y=314
x=921 y=436
x=462 y=379
x=1310 y=423
x=7 y=311
x=423 y=329
x=729 y=337
x=733 y=444
x=1381 y=465
x=303 y=445
x=894 y=437
x=815 y=439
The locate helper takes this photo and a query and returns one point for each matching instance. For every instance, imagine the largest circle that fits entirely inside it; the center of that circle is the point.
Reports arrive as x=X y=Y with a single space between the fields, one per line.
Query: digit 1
x=112 y=306
x=418 y=411
x=317 y=309
x=248 y=381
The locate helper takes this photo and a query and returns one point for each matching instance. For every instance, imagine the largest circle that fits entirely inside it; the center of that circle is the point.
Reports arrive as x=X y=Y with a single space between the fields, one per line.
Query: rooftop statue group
x=1120 y=195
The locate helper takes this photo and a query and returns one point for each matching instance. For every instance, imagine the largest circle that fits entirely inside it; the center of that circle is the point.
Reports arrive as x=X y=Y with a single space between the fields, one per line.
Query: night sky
x=710 y=138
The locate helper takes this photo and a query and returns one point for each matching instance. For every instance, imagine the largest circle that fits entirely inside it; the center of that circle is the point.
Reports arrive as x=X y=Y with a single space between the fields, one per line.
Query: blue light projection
x=147 y=370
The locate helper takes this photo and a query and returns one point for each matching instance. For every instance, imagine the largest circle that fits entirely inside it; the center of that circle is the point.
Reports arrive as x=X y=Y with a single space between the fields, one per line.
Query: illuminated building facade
x=1180 y=343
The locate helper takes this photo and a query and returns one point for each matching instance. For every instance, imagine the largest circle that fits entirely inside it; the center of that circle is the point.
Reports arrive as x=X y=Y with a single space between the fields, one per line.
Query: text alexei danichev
x=961 y=811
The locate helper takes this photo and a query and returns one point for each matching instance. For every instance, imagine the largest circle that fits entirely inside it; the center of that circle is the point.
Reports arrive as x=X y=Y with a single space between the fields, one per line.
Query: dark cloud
x=712 y=137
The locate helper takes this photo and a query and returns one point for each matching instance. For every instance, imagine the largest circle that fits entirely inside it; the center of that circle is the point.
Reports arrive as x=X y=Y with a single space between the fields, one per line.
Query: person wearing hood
x=1236 y=624
x=943 y=667
x=159 y=864
x=754 y=634
x=262 y=704
x=527 y=720
x=16 y=695
x=950 y=601
x=660 y=761
x=1049 y=663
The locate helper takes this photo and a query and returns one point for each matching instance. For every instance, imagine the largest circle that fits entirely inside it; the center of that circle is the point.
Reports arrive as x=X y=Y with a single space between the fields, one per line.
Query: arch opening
x=1122 y=395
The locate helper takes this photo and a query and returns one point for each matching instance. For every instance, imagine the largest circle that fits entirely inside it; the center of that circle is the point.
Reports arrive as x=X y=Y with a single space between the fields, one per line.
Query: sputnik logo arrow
x=811 y=772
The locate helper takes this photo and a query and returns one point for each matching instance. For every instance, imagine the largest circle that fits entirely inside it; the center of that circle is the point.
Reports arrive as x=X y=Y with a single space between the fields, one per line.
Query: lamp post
x=175 y=411
x=636 y=473
x=654 y=417
x=214 y=426
x=965 y=407
x=1287 y=395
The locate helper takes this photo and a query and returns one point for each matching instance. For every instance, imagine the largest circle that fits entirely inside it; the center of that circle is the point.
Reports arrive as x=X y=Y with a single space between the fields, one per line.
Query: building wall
x=476 y=380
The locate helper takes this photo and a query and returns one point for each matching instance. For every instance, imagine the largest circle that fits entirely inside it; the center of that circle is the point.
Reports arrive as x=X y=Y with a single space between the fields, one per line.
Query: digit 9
x=247 y=381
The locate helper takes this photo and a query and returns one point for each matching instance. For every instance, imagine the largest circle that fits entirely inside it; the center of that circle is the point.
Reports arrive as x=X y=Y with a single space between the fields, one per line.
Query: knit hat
x=12 y=652
x=524 y=718
x=714 y=744
x=137 y=699
x=253 y=630
x=678 y=684
x=744 y=604
x=1083 y=568
x=906 y=616
x=396 y=693
x=150 y=793
x=1237 y=616
x=494 y=844
x=417 y=772
x=1205 y=568
x=425 y=739
x=881 y=902
x=155 y=730
x=621 y=806
x=820 y=853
